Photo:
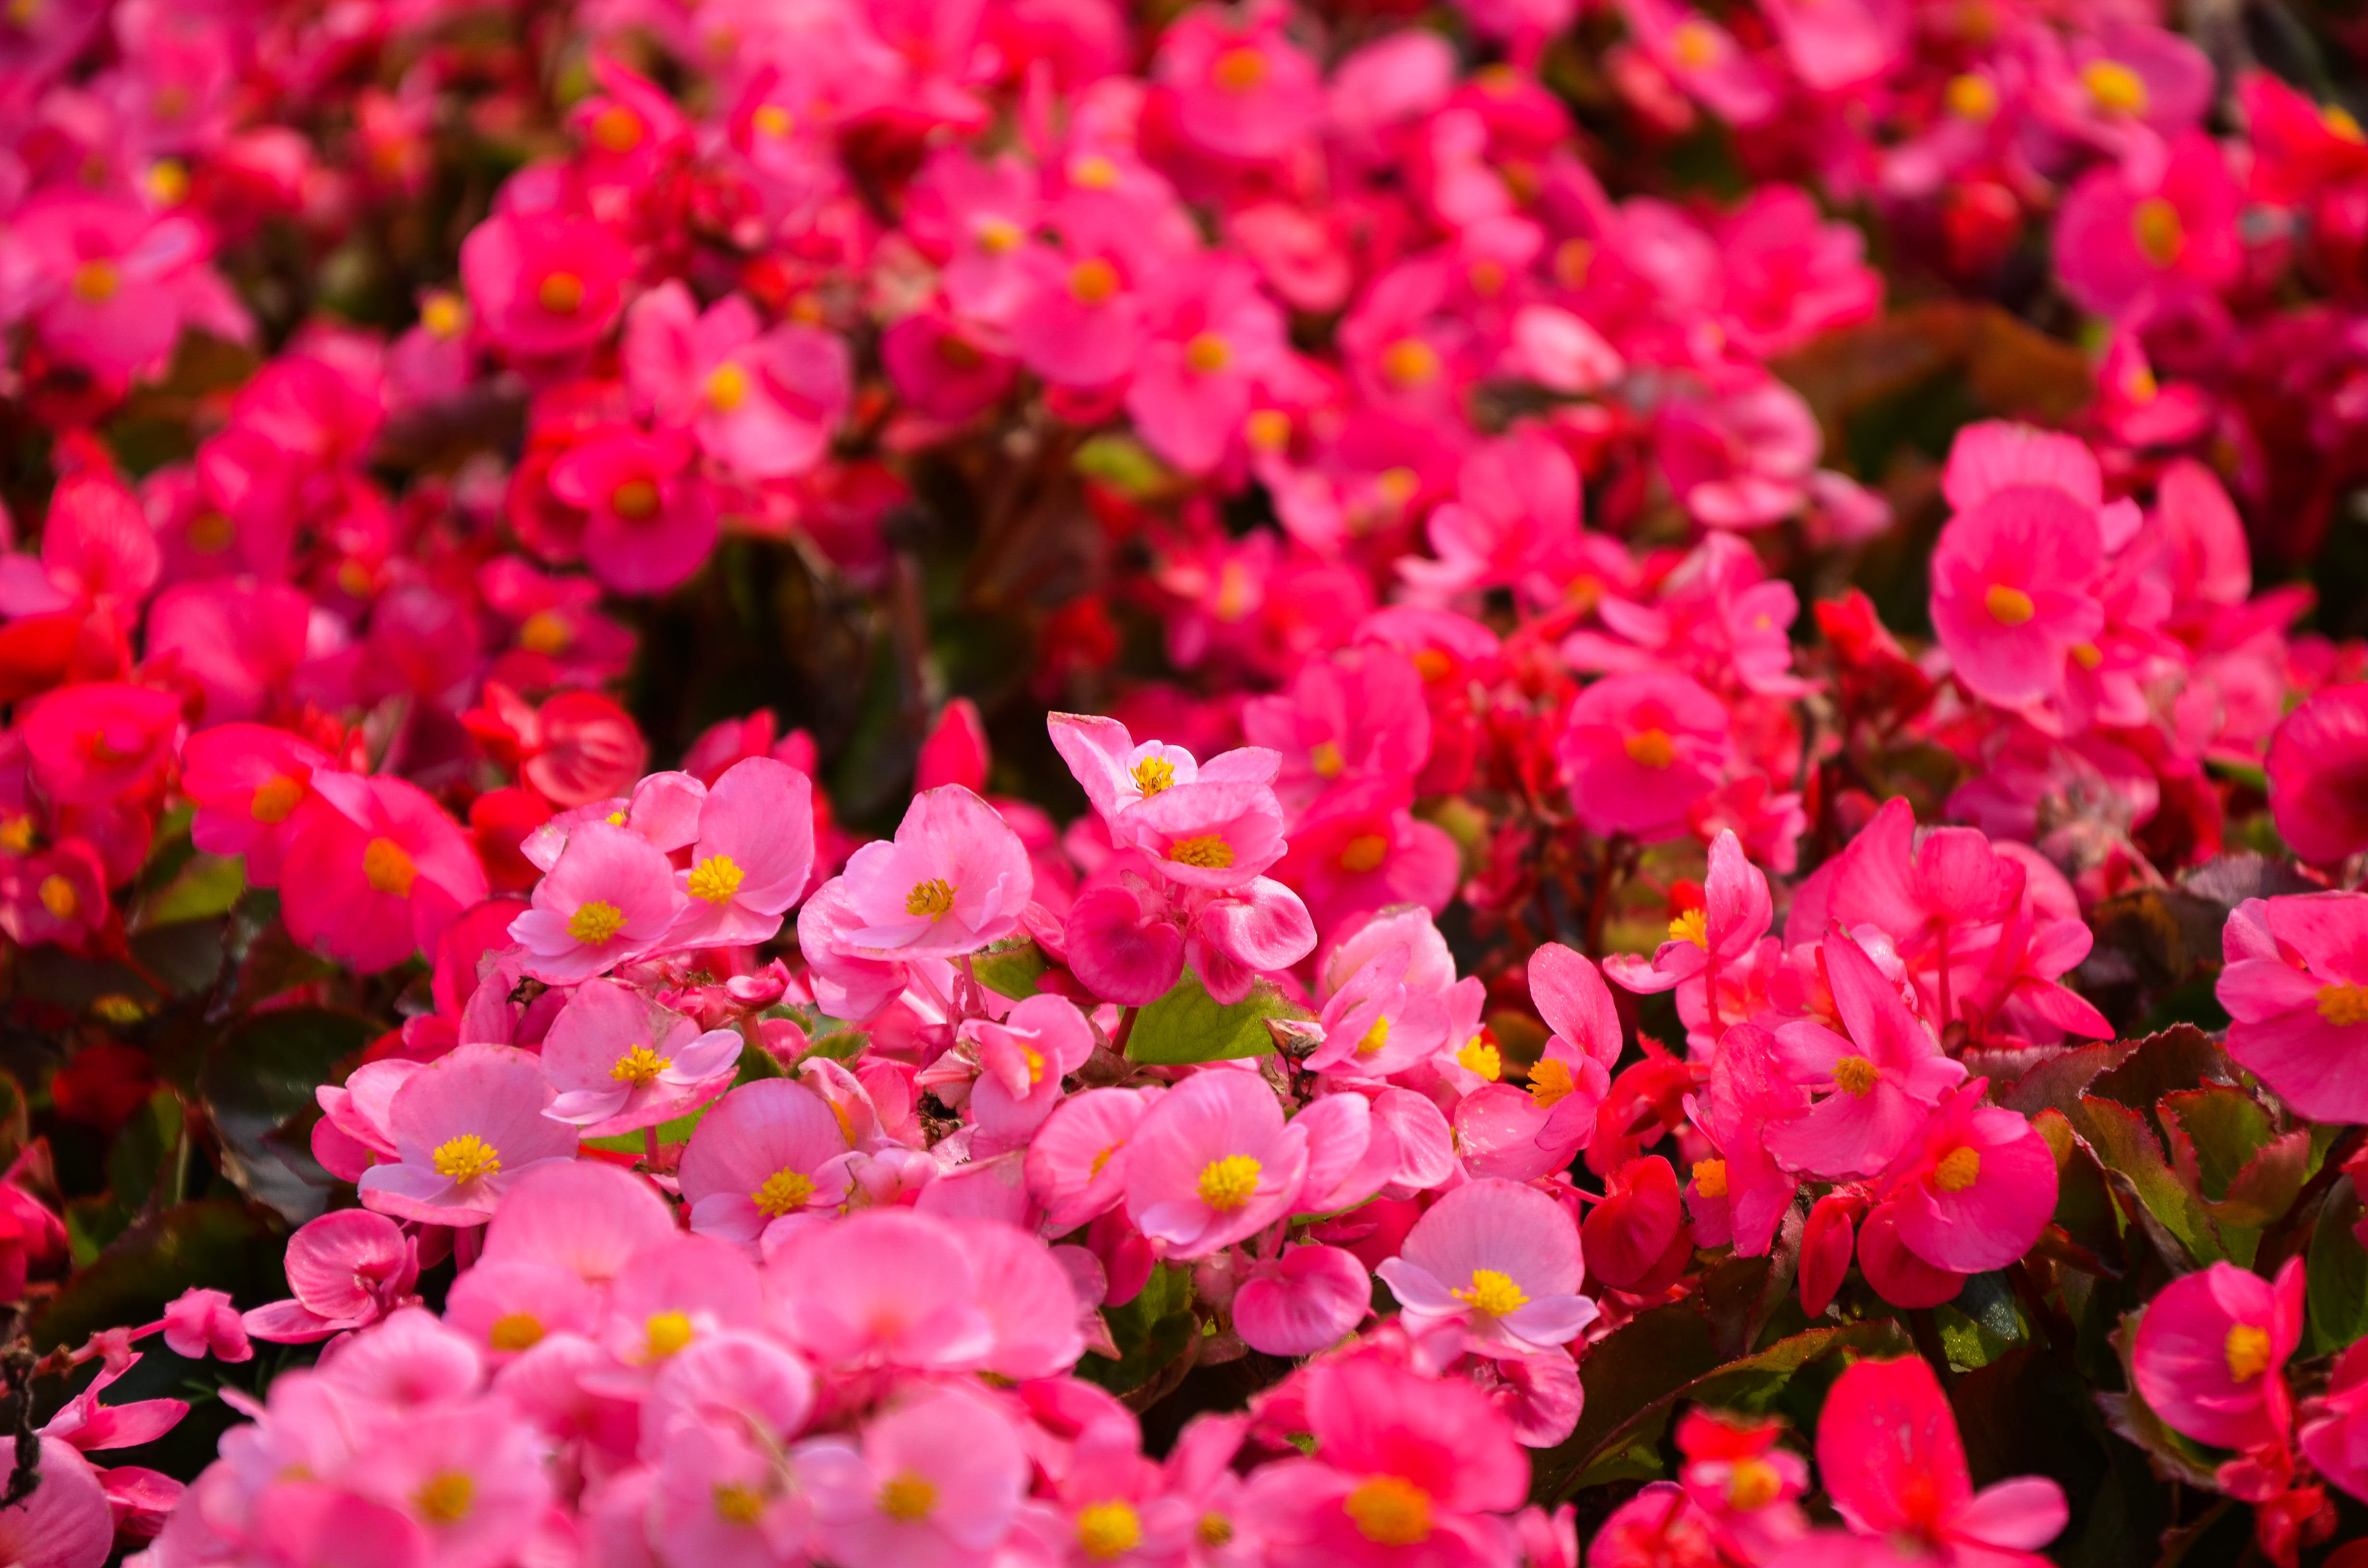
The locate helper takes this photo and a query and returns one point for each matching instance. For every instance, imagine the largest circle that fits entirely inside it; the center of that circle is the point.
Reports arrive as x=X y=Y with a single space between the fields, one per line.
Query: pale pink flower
x=1501 y=1260
x=934 y=1482
x=466 y=1126
x=771 y=1150
x=620 y=1062
x=1213 y=1163
x=609 y=898
x=953 y=880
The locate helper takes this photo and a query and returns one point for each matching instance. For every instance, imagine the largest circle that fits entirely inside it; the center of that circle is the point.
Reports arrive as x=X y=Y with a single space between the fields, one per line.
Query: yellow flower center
x=387 y=867
x=1958 y=1170
x=1106 y=1529
x=2009 y=605
x=1694 y=926
x=2339 y=124
x=445 y=1499
x=1410 y=362
x=1854 y=1075
x=515 y=1330
x=999 y=236
x=1375 y=1038
x=443 y=315
x=636 y=500
x=1154 y=774
x=561 y=293
x=727 y=387
x=1269 y=429
x=1094 y=171
x=544 y=632
x=1753 y=1484
x=466 y=1159
x=1214 y=1529
x=1325 y=757
x=1492 y=1294
x=617 y=128
x=1479 y=1056
x=1389 y=1510
x=1695 y=44
x=1226 y=1184
x=17 y=834
x=784 y=1191
x=1364 y=853
x=666 y=1332
x=908 y=1498
x=1209 y=851
x=2248 y=1351
x=737 y=1502
x=2087 y=655
x=715 y=880
x=1103 y=1158
x=1550 y=1082
x=933 y=898
x=58 y=896
x=1207 y=354
x=279 y=795
x=640 y=1066
x=1238 y=69
x=772 y=119
x=2114 y=87
x=97 y=282
x=1709 y=1177
x=595 y=922
x=1972 y=97
x=1651 y=748
x=1093 y=281
x=2343 y=1005
x=2159 y=232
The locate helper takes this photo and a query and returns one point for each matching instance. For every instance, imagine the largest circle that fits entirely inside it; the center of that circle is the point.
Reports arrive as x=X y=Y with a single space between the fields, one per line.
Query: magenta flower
x=934 y=1482
x=64 y=1522
x=579 y=1215
x=1362 y=850
x=1022 y=1060
x=609 y=898
x=1640 y=749
x=1888 y=1451
x=1734 y=915
x=2295 y=984
x=102 y=741
x=1307 y=1299
x=1514 y=520
x=2335 y=1433
x=651 y=517
x=773 y=1149
x=466 y=1126
x=2319 y=775
x=1214 y=335
x=1212 y=1163
x=347 y=1268
x=1874 y=1085
x=112 y=282
x=374 y=869
x=620 y=1063
x=1742 y=461
x=1077 y=1159
x=2210 y=1350
x=953 y=880
x=2153 y=234
x=1499 y=1259
x=752 y=858
x=762 y=403
x=1977 y=1189
x=542 y=284
x=1742 y=1194
x=883 y=1287
x=2013 y=590
x=1240 y=89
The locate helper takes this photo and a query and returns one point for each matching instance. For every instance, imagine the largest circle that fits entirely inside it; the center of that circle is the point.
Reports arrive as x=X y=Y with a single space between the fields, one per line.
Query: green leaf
x=142 y=1148
x=206 y=887
x=2214 y=1132
x=216 y=1243
x=1188 y=1025
x=1009 y=968
x=1151 y=1332
x=257 y=1086
x=2126 y=1146
x=2338 y=1272
x=2060 y=1080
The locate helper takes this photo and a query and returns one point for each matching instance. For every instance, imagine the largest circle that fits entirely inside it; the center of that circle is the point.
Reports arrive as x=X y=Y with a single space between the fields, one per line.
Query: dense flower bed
x=1269 y=939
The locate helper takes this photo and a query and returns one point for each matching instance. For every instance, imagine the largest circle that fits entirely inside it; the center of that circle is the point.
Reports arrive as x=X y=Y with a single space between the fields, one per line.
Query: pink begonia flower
x=2013 y=590
x=715 y=1497
x=112 y=283
x=752 y=858
x=466 y=1126
x=1214 y=335
x=608 y=899
x=374 y=869
x=1516 y=514
x=98 y=553
x=934 y=1482
x=1635 y=1238
x=1306 y=1300
x=1660 y=1525
x=1022 y=1060
x=1743 y=461
x=2210 y=1352
x=1357 y=715
x=201 y=1323
x=1240 y=89
x=1362 y=850
x=1875 y=1085
x=96 y=743
x=2295 y=984
x=953 y=880
x=1839 y=47
x=1503 y=1132
x=763 y=403
x=2152 y=233
x=542 y=284
x=1919 y=890
x=1213 y=1163
x=1032 y=1302
x=1743 y=1195
x=1406 y=1470
x=88 y=1426
x=977 y=214
x=65 y=1523
x=54 y=895
x=1891 y=1459
x=463 y=1452
x=1734 y=915
x=1394 y=1003
x=1641 y=748
x=2319 y=775
x=1740 y=1474
x=652 y=518
x=241 y=643
x=2335 y=1428
x=1077 y=1159
x=1976 y=1189
x=509 y=1308
x=882 y=1286
x=579 y=1215
x=347 y=1268
x=1078 y=320
x=1499 y=1259
x=620 y=1062
x=941 y=371
x=1704 y=59
x=771 y=1150
x=675 y=1292
x=1787 y=273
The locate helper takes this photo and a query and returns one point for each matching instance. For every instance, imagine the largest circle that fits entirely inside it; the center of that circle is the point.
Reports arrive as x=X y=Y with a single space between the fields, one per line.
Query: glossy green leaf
x=1009 y=968
x=2337 y=1271
x=1188 y=1025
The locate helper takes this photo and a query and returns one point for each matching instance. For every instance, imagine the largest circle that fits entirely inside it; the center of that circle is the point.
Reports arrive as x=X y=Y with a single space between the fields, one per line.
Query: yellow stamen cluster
x=2249 y=1352
x=2008 y=605
x=1154 y=774
x=1492 y=1294
x=515 y=1330
x=666 y=1332
x=466 y=1159
x=784 y=1192
x=1550 y=1082
x=1694 y=926
x=2343 y=1005
x=1108 y=1529
x=1390 y=1510
x=1709 y=1177
x=388 y=868
x=1958 y=1170
x=1208 y=851
x=1651 y=748
x=1855 y=1075
x=933 y=898
x=715 y=880
x=1226 y=1185
x=1479 y=1056
x=445 y=1499
x=1364 y=853
x=908 y=1498
x=640 y=1066
x=595 y=922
